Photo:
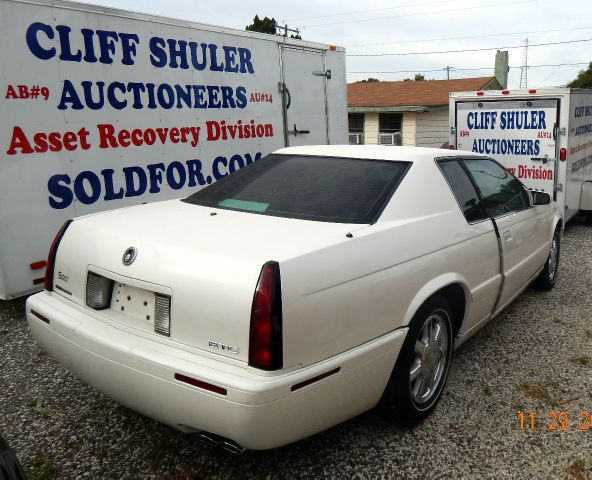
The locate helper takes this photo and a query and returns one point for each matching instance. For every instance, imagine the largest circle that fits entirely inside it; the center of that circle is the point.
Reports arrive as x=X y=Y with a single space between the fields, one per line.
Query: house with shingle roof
x=411 y=113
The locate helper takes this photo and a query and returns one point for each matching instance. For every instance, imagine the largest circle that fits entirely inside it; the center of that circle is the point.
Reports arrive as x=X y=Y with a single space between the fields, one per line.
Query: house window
x=389 y=132
x=356 y=128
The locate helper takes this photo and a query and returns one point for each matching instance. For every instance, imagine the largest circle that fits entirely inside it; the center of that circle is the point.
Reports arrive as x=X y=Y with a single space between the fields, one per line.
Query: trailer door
x=519 y=133
x=304 y=97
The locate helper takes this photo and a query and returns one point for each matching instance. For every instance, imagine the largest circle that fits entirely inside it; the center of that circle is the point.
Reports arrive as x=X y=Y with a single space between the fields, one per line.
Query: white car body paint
x=346 y=300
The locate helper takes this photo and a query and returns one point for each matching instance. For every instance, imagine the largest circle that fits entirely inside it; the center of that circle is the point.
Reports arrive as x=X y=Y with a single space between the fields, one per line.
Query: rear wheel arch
x=457 y=299
x=453 y=288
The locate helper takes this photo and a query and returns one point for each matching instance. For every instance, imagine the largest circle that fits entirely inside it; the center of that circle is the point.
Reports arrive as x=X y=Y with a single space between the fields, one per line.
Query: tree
x=370 y=80
x=267 y=25
x=583 y=80
x=418 y=78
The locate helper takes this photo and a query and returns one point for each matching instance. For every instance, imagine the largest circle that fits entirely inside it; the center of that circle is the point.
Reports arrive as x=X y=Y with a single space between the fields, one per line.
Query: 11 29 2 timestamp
x=555 y=420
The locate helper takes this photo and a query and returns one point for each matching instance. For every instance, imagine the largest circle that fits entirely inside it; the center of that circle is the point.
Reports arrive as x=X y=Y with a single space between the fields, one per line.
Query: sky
x=392 y=40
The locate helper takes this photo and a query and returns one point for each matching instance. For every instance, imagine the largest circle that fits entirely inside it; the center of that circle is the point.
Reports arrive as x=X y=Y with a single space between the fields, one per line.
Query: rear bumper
x=258 y=411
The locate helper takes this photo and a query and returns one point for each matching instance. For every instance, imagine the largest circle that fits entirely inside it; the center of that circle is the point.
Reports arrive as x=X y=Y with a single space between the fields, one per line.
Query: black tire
x=548 y=276
x=10 y=467
x=589 y=218
x=402 y=400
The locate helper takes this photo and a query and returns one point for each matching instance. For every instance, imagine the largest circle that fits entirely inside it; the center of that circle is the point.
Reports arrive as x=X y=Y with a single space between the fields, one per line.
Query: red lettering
x=11 y=92
x=19 y=140
x=174 y=134
x=23 y=91
x=162 y=134
x=137 y=136
x=70 y=141
x=55 y=144
x=107 y=139
x=40 y=140
x=124 y=138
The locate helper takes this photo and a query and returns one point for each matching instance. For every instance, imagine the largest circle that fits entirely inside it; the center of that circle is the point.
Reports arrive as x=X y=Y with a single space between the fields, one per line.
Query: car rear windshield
x=326 y=189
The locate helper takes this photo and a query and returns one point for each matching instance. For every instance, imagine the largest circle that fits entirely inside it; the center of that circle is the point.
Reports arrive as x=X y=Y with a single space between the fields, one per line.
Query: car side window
x=502 y=193
x=463 y=190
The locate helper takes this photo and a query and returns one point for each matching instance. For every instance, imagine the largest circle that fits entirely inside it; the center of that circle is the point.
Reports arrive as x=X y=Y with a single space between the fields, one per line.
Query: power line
x=466 y=37
x=469 y=69
x=368 y=10
x=466 y=49
x=475 y=7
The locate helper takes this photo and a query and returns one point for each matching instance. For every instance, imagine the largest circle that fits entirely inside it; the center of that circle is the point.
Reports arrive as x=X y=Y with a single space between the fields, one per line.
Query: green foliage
x=370 y=80
x=267 y=25
x=583 y=80
x=418 y=78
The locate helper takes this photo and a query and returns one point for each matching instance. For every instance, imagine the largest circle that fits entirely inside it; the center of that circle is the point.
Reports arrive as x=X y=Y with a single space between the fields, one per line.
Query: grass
x=44 y=468
x=577 y=469
x=589 y=333
x=538 y=391
x=581 y=360
x=560 y=321
x=487 y=391
x=49 y=412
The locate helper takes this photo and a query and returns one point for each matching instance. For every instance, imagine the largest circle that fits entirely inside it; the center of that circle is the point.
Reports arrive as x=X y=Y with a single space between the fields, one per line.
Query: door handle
x=507 y=236
x=295 y=132
x=544 y=159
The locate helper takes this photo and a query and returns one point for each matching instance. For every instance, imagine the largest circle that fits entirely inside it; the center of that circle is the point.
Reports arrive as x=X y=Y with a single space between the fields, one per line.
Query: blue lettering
x=33 y=42
x=195 y=175
x=113 y=100
x=88 y=99
x=241 y=97
x=95 y=187
x=65 y=48
x=109 y=186
x=69 y=95
x=155 y=176
x=178 y=52
x=158 y=56
x=170 y=175
x=128 y=47
x=216 y=167
x=236 y=163
x=130 y=188
x=57 y=186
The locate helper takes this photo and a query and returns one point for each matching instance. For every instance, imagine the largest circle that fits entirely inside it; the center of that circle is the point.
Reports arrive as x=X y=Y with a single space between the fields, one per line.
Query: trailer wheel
x=548 y=276
x=589 y=217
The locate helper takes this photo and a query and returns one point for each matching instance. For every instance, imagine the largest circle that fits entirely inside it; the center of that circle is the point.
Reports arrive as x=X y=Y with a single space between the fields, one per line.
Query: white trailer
x=105 y=108
x=544 y=137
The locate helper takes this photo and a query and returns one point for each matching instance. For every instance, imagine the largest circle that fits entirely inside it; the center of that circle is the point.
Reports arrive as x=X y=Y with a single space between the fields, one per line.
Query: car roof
x=376 y=152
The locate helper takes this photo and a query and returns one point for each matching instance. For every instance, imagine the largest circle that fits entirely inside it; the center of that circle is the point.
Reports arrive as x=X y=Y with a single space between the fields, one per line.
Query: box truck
x=105 y=108
x=542 y=136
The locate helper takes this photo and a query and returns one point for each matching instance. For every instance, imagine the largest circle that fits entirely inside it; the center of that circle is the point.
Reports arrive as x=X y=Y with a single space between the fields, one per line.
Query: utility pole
x=524 y=67
x=286 y=30
x=448 y=72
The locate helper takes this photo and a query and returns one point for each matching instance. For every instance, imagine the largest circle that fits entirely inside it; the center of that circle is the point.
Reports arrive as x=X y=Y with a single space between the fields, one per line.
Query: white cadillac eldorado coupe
x=296 y=293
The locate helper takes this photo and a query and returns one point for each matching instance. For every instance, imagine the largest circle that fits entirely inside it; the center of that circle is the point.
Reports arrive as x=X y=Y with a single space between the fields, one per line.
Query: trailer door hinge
x=561 y=131
x=326 y=74
x=559 y=187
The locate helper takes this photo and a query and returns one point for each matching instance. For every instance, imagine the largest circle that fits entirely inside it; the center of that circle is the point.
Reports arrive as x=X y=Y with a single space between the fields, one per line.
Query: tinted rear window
x=325 y=189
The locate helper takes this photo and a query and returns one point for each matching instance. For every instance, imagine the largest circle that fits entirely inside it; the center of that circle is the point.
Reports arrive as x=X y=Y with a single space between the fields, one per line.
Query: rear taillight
x=265 y=340
x=52 y=255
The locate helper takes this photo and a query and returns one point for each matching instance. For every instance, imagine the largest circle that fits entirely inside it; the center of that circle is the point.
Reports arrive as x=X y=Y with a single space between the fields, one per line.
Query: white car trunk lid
x=207 y=260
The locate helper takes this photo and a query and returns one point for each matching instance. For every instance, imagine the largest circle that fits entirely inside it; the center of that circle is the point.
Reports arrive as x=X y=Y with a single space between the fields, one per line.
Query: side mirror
x=540 y=198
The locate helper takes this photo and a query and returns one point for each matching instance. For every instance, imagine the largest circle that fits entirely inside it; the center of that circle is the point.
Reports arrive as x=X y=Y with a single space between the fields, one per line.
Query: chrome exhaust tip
x=208 y=439
x=212 y=440
x=232 y=447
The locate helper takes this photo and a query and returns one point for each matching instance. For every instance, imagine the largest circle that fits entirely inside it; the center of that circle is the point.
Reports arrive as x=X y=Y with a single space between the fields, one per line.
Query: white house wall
x=408 y=128
x=431 y=129
x=371 y=128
